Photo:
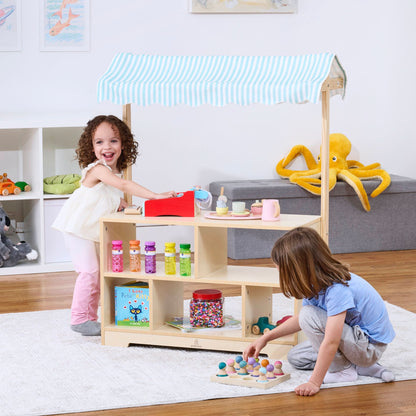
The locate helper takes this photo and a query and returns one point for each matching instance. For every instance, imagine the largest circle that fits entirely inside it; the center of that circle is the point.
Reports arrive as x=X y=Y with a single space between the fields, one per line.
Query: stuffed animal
x=350 y=171
x=11 y=254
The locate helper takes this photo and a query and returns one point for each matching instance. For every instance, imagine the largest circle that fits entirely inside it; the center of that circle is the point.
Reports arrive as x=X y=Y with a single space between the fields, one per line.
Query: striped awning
x=218 y=80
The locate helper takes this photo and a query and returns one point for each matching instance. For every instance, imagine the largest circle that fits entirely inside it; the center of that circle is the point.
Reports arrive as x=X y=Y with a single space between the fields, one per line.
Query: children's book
x=132 y=304
x=184 y=325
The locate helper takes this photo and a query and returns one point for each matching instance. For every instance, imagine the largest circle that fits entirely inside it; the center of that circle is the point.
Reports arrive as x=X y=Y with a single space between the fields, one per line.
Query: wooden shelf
x=210 y=269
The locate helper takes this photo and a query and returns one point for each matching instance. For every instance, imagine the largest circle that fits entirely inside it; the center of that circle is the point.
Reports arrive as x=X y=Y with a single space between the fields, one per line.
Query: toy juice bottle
x=150 y=257
x=117 y=256
x=135 y=256
x=170 y=258
x=185 y=260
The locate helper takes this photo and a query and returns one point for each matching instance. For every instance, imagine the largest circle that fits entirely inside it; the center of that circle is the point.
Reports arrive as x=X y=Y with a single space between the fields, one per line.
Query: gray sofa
x=390 y=225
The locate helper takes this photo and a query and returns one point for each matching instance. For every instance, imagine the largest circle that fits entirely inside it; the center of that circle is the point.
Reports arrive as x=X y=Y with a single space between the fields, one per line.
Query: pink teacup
x=271 y=210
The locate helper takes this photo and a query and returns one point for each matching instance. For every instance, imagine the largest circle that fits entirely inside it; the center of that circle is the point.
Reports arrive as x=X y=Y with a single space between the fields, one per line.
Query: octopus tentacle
x=353 y=164
x=358 y=187
x=296 y=151
x=310 y=180
x=380 y=174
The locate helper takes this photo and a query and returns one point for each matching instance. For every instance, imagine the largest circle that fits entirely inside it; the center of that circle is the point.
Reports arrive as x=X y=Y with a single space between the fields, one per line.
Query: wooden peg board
x=249 y=381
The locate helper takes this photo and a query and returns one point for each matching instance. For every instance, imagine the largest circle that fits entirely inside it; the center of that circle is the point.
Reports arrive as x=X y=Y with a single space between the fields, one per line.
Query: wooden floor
x=393 y=274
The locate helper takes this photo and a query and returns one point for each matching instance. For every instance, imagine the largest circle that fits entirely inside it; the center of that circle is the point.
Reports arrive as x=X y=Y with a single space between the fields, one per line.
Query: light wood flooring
x=393 y=274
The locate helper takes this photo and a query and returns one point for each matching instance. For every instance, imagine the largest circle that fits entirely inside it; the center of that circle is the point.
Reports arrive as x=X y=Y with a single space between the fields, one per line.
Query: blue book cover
x=132 y=304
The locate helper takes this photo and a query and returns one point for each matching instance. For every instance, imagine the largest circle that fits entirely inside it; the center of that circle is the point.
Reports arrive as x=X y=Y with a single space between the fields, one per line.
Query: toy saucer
x=249 y=216
x=246 y=213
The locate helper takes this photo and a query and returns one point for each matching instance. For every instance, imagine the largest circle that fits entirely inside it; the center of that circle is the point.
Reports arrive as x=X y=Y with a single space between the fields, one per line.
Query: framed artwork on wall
x=10 y=25
x=243 y=6
x=64 y=25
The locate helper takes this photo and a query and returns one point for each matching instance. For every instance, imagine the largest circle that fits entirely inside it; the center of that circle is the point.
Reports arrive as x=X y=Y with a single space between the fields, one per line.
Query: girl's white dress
x=82 y=211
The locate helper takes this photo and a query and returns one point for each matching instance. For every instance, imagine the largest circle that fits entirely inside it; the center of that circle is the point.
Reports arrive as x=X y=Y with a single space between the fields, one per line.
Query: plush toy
x=11 y=254
x=350 y=171
x=61 y=184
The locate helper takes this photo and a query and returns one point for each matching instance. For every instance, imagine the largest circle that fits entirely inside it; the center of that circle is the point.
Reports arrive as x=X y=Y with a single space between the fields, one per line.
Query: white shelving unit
x=31 y=151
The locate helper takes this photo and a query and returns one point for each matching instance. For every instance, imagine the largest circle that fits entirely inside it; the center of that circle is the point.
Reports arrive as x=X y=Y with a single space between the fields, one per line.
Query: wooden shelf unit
x=210 y=269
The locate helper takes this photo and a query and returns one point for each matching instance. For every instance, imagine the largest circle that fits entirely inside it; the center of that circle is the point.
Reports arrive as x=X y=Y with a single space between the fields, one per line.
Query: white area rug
x=48 y=369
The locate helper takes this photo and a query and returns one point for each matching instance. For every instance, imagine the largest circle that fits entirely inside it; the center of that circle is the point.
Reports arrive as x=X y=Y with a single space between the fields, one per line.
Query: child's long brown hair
x=85 y=150
x=306 y=265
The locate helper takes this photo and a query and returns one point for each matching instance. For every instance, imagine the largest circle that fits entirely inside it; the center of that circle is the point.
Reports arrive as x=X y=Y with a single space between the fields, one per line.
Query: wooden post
x=127 y=172
x=325 y=166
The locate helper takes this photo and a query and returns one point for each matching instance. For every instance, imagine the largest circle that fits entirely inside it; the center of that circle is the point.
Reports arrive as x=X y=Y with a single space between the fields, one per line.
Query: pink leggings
x=84 y=255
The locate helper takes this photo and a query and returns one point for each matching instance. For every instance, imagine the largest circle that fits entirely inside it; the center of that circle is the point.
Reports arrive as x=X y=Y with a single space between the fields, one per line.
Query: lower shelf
x=230 y=340
x=33 y=267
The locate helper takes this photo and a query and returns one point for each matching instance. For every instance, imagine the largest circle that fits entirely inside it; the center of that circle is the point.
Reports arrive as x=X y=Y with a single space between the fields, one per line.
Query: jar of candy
x=135 y=255
x=206 y=308
x=150 y=257
x=117 y=256
x=170 y=258
x=185 y=260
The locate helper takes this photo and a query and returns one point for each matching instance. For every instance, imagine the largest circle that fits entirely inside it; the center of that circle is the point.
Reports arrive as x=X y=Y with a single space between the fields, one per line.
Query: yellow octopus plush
x=350 y=171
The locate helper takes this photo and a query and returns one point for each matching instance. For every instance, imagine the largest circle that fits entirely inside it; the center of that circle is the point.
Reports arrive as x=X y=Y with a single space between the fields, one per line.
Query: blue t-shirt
x=363 y=304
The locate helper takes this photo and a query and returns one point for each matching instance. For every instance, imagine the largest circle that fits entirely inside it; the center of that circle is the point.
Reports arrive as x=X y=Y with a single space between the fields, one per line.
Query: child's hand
x=307 y=389
x=253 y=350
x=123 y=204
x=163 y=195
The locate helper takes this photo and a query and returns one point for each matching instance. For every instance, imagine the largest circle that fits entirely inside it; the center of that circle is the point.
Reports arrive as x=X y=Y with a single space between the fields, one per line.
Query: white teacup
x=238 y=207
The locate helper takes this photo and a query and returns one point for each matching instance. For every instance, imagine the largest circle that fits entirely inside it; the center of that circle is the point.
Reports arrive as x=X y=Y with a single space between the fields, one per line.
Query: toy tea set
x=266 y=210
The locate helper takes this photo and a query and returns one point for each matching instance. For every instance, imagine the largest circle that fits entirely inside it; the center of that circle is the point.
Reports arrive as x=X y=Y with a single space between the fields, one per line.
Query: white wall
x=184 y=146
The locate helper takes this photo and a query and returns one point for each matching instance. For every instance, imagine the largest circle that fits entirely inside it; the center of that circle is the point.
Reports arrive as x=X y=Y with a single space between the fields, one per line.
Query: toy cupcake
x=257 y=208
x=222 y=208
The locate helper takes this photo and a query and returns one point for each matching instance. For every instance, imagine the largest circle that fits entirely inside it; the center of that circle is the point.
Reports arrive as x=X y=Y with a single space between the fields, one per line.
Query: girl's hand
x=163 y=195
x=123 y=204
x=253 y=350
x=307 y=389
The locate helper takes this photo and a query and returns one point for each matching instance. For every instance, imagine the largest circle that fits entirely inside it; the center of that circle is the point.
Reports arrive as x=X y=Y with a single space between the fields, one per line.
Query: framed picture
x=10 y=25
x=243 y=6
x=65 y=25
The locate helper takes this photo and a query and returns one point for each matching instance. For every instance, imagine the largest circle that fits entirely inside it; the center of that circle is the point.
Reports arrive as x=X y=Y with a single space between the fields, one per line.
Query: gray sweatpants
x=354 y=346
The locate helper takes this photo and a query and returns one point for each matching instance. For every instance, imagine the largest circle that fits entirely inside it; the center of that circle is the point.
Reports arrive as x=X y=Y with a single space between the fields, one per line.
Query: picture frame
x=10 y=25
x=64 y=25
x=243 y=6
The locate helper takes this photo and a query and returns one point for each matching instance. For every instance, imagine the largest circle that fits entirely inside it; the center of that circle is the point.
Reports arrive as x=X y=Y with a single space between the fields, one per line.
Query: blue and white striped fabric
x=217 y=80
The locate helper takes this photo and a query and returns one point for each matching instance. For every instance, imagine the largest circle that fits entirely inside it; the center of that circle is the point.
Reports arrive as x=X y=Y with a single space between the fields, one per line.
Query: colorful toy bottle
x=185 y=260
x=150 y=257
x=135 y=265
x=117 y=256
x=170 y=258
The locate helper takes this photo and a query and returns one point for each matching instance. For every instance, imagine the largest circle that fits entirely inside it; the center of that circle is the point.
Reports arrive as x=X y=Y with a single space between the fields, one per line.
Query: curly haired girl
x=105 y=148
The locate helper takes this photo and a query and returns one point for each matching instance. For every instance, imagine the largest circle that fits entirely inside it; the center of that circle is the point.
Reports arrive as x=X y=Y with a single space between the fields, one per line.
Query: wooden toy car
x=7 y=186
x=262 y=325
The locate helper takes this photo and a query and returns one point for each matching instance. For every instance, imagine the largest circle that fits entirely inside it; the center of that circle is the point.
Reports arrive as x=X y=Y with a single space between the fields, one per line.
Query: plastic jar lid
x=170 y=245
x=185 y=246
x=134 y=242
x=207 y=294
x=117 y=242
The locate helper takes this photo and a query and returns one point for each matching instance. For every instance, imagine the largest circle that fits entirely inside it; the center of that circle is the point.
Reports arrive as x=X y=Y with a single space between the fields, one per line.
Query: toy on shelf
x=185 y=204
x=263 y=325
x=7 y=186
x=222 y=208
x=24 y=186
x=10 y=253
x=252 y=373
x=182 y=206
